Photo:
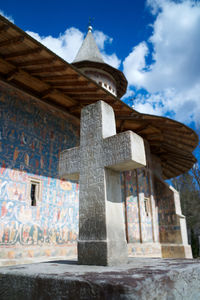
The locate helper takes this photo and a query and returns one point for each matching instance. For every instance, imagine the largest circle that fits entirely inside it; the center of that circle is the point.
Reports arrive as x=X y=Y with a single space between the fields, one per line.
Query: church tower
x=90 y=61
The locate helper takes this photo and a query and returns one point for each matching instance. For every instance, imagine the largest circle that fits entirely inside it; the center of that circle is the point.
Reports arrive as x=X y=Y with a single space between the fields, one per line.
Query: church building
x=41 y=98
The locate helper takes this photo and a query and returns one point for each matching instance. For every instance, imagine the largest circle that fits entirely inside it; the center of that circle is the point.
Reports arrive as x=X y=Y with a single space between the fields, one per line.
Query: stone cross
x=97 y=164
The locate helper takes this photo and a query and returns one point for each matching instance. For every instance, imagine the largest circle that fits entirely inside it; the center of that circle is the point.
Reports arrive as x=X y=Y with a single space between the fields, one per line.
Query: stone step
x=140 y=278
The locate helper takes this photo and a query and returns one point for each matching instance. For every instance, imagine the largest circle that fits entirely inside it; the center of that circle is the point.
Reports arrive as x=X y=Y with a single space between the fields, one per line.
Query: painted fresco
x=135 y=206
x=144 y=192
x=169 y=224
x=31 y=138
x=133 y=228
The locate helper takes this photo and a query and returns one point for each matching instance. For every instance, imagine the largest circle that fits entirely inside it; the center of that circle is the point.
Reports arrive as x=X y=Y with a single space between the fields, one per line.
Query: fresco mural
x=169 y=224
x=139 y=222
x=130 y=186
x=31 y=138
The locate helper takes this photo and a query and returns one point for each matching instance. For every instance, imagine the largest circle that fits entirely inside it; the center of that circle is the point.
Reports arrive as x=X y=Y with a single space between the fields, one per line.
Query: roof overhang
x=31 y=67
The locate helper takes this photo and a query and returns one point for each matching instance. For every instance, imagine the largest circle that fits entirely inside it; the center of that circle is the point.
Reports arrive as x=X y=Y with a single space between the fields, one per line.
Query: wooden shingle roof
x=31 y=67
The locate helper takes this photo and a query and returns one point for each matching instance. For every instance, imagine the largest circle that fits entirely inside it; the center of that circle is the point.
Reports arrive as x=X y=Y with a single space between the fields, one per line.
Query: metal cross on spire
x=90 y=23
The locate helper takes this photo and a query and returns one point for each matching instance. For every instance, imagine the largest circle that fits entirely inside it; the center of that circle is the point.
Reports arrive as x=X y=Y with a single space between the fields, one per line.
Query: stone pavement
x=141 y=278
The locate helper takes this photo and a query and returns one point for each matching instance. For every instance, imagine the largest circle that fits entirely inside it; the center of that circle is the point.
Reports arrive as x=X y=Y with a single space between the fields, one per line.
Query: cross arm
x=124 y=151
x=69 y=164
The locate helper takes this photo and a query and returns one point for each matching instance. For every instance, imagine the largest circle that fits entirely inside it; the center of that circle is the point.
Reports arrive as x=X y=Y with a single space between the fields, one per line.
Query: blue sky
x=156 y=43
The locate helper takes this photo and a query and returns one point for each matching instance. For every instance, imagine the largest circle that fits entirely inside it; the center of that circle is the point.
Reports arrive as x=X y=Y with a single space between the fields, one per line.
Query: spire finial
x=90 y=24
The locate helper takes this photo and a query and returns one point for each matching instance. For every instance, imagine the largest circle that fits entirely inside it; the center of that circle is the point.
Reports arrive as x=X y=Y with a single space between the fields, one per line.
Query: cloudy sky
x=156 y=43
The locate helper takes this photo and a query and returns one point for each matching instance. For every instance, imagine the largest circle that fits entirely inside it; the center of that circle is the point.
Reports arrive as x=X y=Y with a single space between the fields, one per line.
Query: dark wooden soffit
x=31 y=67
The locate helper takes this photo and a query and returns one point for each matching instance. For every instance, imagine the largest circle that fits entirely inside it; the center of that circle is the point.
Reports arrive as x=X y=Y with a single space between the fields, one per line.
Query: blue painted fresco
x=168 y=220
x=31 y=138
x=137 y=186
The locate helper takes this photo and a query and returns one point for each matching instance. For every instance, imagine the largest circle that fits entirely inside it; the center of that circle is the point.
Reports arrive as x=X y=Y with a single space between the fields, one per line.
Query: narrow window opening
x=34 y=192
x=146 y=206
x=33 y=196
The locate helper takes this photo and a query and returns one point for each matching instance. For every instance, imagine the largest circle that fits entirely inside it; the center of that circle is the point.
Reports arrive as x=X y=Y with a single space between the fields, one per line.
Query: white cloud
x=101 y=39
x=10 y=18
x=66 y=45
x=135 y=63
x=174 y=73
x=111 y=59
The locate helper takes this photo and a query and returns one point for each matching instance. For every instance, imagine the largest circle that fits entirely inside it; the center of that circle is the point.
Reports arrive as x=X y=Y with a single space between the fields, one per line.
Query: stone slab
x=141 y=278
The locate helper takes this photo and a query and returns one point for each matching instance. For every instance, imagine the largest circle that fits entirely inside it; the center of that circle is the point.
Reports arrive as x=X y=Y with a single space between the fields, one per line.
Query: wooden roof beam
x=48 y=69
x=36 y=62
x=132 y=116
x=70 y=83
x=180 y=143
x=177 y=158
x=15 y=40
x=181 y=146
x=168 y=174
x=121 y=127
x=117 y=106
x=177 y=166
x=176 y=137
x=80 y=90
x=141 y=128
x=22 y=53
x=153 y=137
x=89 y=96
x=46 y=93
x=4 y=27
x=9 y=76
x=48 y=86
x=172 y=169
x=52 y=91
x=75 y=108
x=60 y=77
x=37 y=95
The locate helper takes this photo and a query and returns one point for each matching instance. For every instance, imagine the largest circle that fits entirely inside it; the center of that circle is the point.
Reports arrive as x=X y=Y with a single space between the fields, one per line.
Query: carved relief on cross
x=97 y=163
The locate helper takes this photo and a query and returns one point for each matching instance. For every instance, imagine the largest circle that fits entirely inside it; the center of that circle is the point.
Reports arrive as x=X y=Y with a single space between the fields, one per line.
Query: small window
x=34 y=192
x=105 y=84
x=100 y=82
x=147 y=206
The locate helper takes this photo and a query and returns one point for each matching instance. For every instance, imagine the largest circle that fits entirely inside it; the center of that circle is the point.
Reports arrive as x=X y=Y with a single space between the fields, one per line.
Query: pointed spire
x=89 y=50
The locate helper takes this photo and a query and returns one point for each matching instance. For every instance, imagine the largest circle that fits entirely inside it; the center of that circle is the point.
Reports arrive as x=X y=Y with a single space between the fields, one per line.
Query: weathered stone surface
x=140 y=279
x=99 y=159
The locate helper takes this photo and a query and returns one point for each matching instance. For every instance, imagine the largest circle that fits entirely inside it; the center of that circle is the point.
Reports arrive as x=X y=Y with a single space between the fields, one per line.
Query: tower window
x=34 y=192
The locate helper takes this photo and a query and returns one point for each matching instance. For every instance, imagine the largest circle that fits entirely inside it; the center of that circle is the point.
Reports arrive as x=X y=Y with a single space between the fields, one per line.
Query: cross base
x=102 y=253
